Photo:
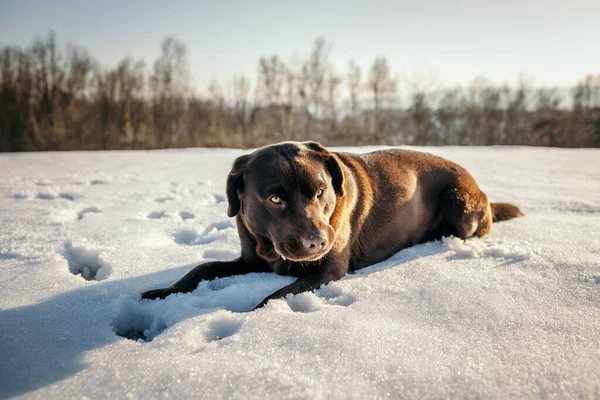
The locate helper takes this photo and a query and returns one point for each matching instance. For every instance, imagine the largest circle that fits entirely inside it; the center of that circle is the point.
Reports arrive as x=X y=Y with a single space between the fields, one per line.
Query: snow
x=514 y=314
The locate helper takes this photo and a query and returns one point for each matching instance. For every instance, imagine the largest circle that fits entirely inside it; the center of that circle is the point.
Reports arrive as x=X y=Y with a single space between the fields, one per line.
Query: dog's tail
x=504 y=211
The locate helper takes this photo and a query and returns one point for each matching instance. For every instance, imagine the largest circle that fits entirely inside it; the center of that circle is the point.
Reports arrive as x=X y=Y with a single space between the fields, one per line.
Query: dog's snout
x=314 y=241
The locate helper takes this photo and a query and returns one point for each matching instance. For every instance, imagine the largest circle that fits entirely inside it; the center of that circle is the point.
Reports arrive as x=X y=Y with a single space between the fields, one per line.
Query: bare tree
x=15 y=100
x=312 y=84
x=105 y=100
x=217 y=101
x=272 y=75
x=241 y=106
x=333 y=93
x=273 y=87
x=354 y=87
x=451 y=111
x=421 y=115
x=383 y=88
x=47 y=78
x=518 y=129
x=130 y=84
x=547 y=125
x=586 y=112
x=485 y=112
x=170 y=86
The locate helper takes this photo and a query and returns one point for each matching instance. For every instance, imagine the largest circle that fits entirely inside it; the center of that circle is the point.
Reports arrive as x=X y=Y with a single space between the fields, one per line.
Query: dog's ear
x=316 y=146
x=235 y=185
x=337 y=174
x=333 y=166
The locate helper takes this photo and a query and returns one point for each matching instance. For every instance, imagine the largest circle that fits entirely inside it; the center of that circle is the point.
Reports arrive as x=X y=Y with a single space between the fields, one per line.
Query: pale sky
x=554 y=42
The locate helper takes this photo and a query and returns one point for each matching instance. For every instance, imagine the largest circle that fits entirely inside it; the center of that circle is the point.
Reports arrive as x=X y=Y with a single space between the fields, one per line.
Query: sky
x=444 y=43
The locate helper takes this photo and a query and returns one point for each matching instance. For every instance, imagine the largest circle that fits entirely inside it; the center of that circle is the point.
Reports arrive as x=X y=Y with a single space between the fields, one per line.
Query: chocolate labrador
x=314 y=214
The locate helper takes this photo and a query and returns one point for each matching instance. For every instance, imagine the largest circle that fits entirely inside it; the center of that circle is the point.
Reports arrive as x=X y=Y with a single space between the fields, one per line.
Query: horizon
x=543 y=43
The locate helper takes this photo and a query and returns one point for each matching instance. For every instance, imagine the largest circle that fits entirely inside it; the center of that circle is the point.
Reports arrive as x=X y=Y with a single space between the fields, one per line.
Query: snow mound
x=475 y=248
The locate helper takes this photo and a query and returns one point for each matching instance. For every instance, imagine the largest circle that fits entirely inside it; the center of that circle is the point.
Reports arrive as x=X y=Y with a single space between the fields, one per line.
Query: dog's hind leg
x=464 y=212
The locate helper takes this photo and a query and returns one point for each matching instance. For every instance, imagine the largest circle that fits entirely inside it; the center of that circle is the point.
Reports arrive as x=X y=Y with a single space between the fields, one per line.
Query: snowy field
x=515 y=314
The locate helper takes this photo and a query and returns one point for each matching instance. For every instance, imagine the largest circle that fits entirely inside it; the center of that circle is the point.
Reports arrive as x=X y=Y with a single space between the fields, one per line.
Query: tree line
x=61 y=98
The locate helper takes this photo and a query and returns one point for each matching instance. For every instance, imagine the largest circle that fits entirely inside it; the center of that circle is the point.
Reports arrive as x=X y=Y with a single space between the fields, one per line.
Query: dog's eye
x=320 y=193
x=275 y=200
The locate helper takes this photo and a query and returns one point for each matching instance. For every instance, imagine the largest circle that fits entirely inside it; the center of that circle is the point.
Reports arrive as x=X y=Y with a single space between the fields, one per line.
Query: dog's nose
x=314 y=241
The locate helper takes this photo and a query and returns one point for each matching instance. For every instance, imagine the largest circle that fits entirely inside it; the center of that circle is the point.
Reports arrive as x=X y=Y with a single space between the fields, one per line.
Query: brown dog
x=307 y=212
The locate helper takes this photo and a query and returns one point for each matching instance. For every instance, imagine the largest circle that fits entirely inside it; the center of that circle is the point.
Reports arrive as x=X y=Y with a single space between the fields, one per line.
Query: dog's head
x=287 y=194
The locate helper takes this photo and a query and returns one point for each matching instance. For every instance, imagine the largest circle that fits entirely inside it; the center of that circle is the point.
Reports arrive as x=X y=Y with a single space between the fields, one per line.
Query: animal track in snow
x=164 y=199
x=219 y=226
x=144 y=321
x=135 y=322
x=87 y=210
x=219 y=198
x=52 y=196
x=157 y=215
x=304 y=302
x=43 y=183
x=189 y=237
x=68 y=196
x=221 y=329
x=185 y=215
x=10 y=256
x=185 y=236
x=325 y=296
x=85 y=262
x=45 y=196
x=334 y=295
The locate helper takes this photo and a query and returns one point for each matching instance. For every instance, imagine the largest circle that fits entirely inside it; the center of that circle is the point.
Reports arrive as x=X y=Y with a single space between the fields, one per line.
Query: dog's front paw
x=155 y=294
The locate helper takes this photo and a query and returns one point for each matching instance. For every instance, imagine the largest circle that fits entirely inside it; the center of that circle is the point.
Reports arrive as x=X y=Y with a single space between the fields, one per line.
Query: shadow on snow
x=44 y=343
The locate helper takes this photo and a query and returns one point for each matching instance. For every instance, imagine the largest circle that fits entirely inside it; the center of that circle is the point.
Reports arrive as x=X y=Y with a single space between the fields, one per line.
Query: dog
x=304 y=211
